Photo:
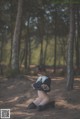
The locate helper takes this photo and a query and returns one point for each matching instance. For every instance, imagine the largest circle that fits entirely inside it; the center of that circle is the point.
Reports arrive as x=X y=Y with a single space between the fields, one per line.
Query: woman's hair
x=41 y=68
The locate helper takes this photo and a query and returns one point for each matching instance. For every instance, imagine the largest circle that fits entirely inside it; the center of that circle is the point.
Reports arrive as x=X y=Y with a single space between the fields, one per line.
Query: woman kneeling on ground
x=42 y=85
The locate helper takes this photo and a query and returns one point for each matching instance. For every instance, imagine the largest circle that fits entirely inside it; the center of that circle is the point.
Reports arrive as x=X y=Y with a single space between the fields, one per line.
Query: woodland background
x=45 y=33
x=40 y=32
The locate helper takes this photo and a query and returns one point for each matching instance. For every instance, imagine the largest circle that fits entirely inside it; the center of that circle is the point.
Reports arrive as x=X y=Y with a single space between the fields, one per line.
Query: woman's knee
x=37 y=101
x=44 y=101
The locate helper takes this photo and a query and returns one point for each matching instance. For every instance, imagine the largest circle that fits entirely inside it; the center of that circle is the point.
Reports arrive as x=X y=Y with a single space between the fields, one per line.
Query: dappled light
x=40 y=59
x=19 y=94
x=13 y=99
x=57 y=78
x=77 y=87
x=65 y=104
x=21 y=114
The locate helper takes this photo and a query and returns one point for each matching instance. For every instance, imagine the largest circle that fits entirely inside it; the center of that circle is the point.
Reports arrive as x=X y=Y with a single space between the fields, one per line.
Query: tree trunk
x=26 y=55
x=55 y=40
x=11 y=29
x=1 y=55
x=45 y=51
x=41 y=53
x=26 y=62
x=55 y=49
x=16 y=38
x=70 y=73
x=29 y=49
x=41 y=34
x=77 y=37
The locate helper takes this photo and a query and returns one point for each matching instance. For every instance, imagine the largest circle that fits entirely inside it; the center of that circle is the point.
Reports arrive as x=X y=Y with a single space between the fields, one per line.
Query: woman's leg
x=37 y=101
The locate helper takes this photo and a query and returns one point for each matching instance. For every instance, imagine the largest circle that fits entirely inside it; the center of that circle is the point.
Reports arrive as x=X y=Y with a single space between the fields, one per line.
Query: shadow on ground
x=17 y=93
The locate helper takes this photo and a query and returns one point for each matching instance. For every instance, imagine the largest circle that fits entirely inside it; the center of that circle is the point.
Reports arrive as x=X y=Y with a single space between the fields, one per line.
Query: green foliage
x=42 y=16
x=6 y=53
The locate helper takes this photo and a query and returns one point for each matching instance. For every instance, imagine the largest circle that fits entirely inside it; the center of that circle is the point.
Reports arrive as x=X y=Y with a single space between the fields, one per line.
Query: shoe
x=41 y=107
x=32 y=106
x=51 y=104
x=46 y=106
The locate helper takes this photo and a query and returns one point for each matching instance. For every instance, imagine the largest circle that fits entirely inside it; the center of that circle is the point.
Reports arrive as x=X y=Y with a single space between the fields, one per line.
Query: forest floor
x=17 y=93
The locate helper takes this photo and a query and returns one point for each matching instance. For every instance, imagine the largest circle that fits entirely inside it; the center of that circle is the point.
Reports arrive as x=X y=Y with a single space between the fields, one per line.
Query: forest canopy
x=39 y=32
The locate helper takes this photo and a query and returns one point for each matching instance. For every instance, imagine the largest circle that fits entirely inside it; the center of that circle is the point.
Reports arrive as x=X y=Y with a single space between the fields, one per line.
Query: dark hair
x=41 y=68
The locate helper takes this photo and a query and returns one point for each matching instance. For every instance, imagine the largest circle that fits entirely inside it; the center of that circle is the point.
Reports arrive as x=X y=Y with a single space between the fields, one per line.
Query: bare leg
x=44 y=101
x=37 y=101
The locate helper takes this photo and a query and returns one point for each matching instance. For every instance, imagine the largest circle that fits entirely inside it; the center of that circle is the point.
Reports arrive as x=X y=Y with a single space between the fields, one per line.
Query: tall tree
x=27 y=51
x=55 y=40
x=77 y=36
x=41 y=36
x=1 y=55
x=16 y=38
x=70 y=73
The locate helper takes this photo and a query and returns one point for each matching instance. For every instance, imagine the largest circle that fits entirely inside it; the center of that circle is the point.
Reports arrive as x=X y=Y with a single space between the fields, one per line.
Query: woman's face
x=40 y=72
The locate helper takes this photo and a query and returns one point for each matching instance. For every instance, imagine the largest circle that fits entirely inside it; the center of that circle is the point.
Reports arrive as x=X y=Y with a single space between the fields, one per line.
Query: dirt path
x=17 y=93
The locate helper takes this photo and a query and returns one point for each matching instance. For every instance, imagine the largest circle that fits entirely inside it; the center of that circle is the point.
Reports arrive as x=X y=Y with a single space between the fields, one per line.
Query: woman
x=42 y=85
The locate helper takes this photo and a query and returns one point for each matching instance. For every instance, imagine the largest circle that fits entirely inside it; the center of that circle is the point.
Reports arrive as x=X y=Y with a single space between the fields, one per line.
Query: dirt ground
x=17 y=93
